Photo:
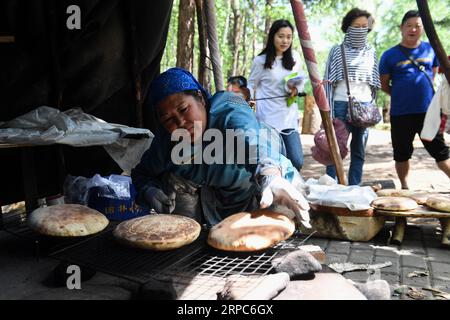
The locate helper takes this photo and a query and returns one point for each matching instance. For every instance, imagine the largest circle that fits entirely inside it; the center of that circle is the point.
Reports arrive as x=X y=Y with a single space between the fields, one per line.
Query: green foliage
x=324 y=19
x=169 y=58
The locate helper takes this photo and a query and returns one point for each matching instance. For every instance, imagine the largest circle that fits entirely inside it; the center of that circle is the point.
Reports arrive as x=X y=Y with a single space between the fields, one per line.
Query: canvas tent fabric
x=93 y=68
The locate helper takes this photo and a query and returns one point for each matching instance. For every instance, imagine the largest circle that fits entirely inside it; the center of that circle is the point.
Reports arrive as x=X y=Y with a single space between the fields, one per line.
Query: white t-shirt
x=270 y=83
x=360 y=90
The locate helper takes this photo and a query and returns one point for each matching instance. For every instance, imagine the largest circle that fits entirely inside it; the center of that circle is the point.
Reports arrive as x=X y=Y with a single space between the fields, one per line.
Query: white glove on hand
x=282 y=194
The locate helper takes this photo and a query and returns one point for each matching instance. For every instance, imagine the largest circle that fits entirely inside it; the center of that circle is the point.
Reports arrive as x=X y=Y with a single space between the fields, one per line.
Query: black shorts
x=403 y=131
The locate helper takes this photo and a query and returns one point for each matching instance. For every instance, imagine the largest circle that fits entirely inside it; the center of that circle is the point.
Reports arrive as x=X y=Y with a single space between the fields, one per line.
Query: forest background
x=242 y=28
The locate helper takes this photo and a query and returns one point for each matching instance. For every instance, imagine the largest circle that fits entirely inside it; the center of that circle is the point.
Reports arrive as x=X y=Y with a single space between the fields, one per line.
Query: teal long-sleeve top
x=231 y=185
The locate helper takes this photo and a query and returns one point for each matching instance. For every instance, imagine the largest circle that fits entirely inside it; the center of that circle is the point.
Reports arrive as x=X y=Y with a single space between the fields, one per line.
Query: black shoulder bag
x=359 y=115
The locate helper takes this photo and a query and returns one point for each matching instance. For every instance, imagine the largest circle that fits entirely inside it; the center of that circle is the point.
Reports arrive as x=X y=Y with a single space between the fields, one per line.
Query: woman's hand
x=159 y=201
x=294 y=92
x=285 y=198
x=252 y=104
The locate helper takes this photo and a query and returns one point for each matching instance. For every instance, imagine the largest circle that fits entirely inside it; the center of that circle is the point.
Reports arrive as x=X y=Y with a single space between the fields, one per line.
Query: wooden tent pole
x=203 y=43
x=433 y=37
x=318 y=90
x=210 y=12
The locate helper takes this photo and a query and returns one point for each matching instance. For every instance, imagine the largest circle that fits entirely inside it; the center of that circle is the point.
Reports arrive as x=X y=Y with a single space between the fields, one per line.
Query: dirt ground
x=379 y=164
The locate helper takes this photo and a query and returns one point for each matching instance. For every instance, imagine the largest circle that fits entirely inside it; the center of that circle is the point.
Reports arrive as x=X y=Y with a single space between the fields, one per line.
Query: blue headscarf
x=173 y=81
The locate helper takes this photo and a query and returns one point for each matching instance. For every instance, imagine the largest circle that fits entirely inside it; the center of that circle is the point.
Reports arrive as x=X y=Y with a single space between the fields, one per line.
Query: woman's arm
x=376 y=76
x=328 y=86
x=274 y=173
x=261 y=141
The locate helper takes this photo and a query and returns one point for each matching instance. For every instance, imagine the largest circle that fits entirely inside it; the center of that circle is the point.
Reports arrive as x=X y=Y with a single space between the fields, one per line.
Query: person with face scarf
x=183 y=181
x=362 y=64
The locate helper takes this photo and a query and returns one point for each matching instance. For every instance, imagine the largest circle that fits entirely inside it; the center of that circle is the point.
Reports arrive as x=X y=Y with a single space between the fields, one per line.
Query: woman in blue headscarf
x=194 y=167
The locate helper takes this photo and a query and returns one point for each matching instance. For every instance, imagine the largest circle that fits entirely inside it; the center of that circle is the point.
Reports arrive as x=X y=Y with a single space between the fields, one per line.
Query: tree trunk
x=433 y=37
x=186 y=32
x=255 y=26
x=203 y=73
x=237 y=31
x=210 y=13
x=227 y=24
x=243 y=69
x=268 y=22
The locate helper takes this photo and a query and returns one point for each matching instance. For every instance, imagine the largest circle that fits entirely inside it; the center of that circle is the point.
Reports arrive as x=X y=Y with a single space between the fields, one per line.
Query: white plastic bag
x=354 y=198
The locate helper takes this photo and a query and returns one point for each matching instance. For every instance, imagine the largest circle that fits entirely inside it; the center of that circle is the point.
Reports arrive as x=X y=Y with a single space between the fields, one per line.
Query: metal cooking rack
x=15 y=223
x=196 y=271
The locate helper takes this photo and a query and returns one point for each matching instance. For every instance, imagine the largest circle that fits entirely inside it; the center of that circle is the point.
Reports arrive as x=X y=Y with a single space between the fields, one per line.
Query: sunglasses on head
x=239 y=80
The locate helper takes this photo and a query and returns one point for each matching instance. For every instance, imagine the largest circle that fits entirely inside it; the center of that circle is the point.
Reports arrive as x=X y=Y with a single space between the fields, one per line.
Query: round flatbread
x=394 y=204
x=394 y=193
x=439 y=202
x=158 y=232
x=67 y=220
x=251 y=231
x=422 y=197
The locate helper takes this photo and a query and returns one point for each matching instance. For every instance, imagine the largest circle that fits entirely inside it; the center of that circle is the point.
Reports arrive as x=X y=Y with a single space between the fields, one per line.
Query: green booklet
x=293 y=80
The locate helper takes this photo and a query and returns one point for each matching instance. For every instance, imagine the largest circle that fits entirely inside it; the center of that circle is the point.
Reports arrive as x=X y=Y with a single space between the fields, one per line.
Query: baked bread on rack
x=251 y=231
x=67 y=220
x=394 y=204
x=158 y=232
x=439 y=202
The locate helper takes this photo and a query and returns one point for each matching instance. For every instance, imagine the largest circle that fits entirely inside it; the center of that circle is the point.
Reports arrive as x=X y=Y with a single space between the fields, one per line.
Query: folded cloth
x=239 y=287
x=297 y=263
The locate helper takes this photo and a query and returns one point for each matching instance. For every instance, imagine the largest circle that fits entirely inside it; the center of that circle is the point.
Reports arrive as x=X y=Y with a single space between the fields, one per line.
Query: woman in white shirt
x=364 y=78
x=268 y=79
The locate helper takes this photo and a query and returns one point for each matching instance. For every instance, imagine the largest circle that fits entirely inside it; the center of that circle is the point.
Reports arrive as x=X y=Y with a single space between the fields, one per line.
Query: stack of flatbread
x=251 y=231
x=394 y=204
x=439 y=202
x=422 y=197
x=67 y=220
x=436 y=201
x=158 y=232
x=394 y=193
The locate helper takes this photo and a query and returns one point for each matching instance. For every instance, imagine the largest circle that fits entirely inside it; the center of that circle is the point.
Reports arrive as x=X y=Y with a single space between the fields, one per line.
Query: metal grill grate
x=15 y=223
x=196 y=271
x=207 y=272
x=105 y=254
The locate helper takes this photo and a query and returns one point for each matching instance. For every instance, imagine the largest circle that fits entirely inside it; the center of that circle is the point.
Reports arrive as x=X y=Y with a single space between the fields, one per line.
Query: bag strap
x=418 y=66
x=349 y=95
x=344 y=64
